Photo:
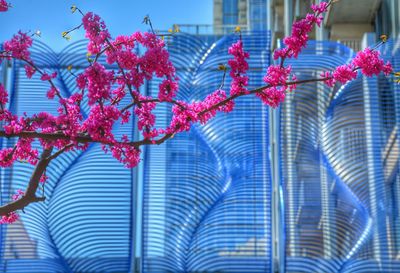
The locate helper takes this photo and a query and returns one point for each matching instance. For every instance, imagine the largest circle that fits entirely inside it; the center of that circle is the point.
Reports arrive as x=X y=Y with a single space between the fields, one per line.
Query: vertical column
x=289 y=135
x=376 y=183
x=218 y=13
x=278 y=244
x=155 y=193
x=396 y=92
x=327 y=202
x=321 y=33
x=269 y=22
x=288 y=16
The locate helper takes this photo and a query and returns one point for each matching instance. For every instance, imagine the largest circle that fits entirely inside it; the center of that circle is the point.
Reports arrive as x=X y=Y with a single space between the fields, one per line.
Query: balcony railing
x=354 y=44
x=208 y=29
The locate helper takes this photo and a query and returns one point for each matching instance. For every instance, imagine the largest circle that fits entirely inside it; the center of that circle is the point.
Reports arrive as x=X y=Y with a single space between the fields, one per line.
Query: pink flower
x=43 y=178
x=70 y=121
x=18 y=195
x=7 y=157
x=344 y=73
x=370 y=63
x=146 y=119
x=210 y=102
x=99 y=82
x=277 y=75
x=29 y=71
x=125 y=117
x=25 y=152
x=182 y=118
x=3 y=5
x=300 y=29
x=96 y=32
x=9 y=218
x=239 y=67
x=329 y=81
x=51 y=93
x=320 y=8
x=167 y=90
x=272 y=96
x=100 y=122
x=127 y=154
x=81 y=81
x=156 y=58
x=293 y=86
x=119 y=93
x=48 y=77
x=18 y=46
x=3 y=95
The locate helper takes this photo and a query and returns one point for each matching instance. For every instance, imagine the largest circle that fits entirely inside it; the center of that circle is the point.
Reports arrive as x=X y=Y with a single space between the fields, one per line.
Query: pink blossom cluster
x=29 y=71
x=100 y=121
x=239 y=67
x=182 y=118
x=70 y=116
x=25 y=152
x=300 y=30
x=12 y=216
x=6 y=157
x=48 y=77
x=320 y=8
x=143 y=112
x=154 y=62
x=213 y=99
x=184 y=114
x=18 y=195
x=9 y=218
x=105 y=89
x=167 y=90
x=96 y=32
x=276 y=77
x=3 y=5
x=3 y=95
x=18 y=46
x=126 y=154
x=99 y=82
x=368 y=61
x=43 y=178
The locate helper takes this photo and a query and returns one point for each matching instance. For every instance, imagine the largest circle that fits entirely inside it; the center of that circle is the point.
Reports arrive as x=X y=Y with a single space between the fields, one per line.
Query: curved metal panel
x=207 y=193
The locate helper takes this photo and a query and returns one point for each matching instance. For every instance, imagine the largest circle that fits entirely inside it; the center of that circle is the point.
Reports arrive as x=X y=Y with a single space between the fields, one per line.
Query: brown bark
x=30 y=193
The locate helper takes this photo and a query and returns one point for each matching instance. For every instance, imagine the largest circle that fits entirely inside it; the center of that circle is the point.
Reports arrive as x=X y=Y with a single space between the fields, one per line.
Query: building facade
x=313 y=186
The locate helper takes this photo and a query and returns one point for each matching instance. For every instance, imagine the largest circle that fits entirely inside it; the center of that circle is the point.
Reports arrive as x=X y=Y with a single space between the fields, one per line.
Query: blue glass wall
x=230 y=12
x=258 y=15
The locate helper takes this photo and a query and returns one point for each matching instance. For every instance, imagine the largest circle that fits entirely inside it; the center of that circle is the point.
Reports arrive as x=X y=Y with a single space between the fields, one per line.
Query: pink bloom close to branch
x=18 y=46
x=239 y=67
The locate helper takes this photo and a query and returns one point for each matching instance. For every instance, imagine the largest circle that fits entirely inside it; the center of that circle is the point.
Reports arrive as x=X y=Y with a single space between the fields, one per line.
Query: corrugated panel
x=207 y=193
x=340 y=169
x=85 y=223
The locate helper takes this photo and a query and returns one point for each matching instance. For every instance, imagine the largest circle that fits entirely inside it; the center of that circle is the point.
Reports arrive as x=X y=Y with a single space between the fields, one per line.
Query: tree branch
x=30 y=193
x=88 y=139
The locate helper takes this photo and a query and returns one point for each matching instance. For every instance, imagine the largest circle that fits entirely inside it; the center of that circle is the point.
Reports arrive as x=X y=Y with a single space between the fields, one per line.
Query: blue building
x=310 y=187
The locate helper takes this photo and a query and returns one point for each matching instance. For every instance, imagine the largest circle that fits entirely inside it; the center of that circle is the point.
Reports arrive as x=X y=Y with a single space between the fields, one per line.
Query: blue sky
x=53 y=17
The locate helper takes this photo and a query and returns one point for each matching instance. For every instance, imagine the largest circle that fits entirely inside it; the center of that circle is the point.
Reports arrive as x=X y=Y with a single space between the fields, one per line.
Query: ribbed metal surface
x=207 y=193
x=340 y=167
x=85 y=223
